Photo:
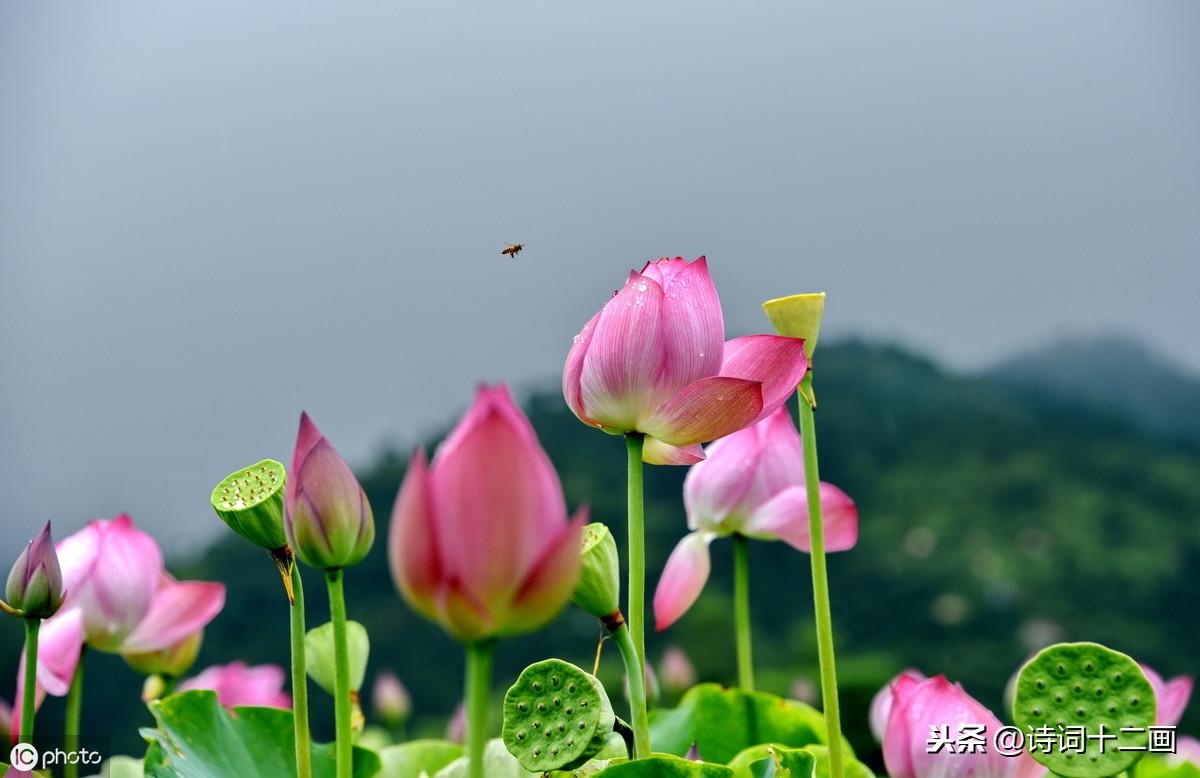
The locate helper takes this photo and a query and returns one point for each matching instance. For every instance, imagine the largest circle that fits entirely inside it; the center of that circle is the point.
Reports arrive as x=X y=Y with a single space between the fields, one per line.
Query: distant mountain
x=1111 y=374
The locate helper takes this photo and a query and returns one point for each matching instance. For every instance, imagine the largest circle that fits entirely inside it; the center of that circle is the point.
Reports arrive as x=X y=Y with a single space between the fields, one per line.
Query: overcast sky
x=214 y=214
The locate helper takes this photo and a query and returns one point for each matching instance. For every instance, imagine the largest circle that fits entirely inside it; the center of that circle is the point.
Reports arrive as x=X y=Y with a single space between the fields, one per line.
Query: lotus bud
x=391 y=699
x=328 y=520
x=250 y=501
x=456 y=727
x=172 y=661
x=677 y=671
x=6 y=722
x=798 y=316
x=318 y=648
x=154 y=688
x=35 y=583
x=599 y=589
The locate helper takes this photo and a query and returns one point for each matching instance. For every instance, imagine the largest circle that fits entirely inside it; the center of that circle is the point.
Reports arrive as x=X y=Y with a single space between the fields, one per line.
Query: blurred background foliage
x=1055 y=497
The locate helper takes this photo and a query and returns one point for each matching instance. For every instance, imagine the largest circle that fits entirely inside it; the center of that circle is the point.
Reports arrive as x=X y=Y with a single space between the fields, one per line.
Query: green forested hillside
x=991 y=520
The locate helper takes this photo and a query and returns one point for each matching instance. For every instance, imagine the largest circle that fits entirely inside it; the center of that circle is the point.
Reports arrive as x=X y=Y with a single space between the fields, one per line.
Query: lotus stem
x=341 y=678
x=480 y=656
x=637 y=691
x=73 y=716
x=820 y=580
x=299 y=676
x=741 y=611
x=30 y=692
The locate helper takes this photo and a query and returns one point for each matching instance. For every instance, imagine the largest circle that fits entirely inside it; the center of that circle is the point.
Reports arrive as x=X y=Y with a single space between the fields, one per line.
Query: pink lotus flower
x=881 y=703
x=118 y=599
x=752 y=484
x=238 y=684
x=328 y=520
x=918 y=705
x=35 y=586
x=1171 y=696
x=480 y=541
x=654 y=360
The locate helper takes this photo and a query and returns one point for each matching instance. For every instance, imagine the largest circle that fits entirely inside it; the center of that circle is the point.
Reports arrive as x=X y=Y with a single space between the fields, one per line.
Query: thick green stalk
x=341 y=676
x=73 y=716
x=30 y=692
x=636 y=617
x=300 y=680
x=741 y=611
x=478 y=691
x=820 y=579
x=637 y=692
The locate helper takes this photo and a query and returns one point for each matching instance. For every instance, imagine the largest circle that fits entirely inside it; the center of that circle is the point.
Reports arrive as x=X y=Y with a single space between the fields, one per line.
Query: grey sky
x=214 y=214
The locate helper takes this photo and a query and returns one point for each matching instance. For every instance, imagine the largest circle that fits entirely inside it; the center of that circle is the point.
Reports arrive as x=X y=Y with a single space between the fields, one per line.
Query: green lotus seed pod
x=599 y=589
x=250 y=501
x=318 y=651
x=556 y=717
x=1090 y=686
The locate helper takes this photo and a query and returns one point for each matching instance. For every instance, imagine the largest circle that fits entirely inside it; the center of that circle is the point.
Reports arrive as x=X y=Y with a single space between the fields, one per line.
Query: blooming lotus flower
x=238 y=684
x=752 y=484
x=390 y=698
x=480 y=541
x=118 y=599
x=881 y=703
x=328 y=521
x=920 y=704
x=1171 y=696
x=35 y=585
x=654 y=360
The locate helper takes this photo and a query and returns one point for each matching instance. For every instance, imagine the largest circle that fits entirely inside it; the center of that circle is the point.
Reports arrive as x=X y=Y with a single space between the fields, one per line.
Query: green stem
x=341 y=678
x=30 y=692
x=636 y=616
x=478 y=691
x=73 y=716
x=637 y=692
x=741 y=611
x=820 y=578
x=300 y=679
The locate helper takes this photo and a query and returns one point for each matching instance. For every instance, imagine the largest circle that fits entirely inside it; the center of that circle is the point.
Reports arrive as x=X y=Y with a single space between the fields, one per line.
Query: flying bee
x=513 y=250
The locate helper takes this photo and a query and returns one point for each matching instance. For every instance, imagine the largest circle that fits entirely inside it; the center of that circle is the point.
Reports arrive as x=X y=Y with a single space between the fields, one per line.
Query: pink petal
x=412 y=542
x=716 y=486
x=693 y=327
x=115 y=591
x=1171 y=696
x=785 y=516
x=621 y=368
x=573 y=371
x=918 y=705
x=682 y=579
x=496 y=498
x=881 y=703
x=1186 y=750
x=549 y=585
x=777 y=362
x=782 y=462
x=706 y=410
x=178 y=610
x=463 y=614
x=655 y=452
x=237 y=684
